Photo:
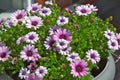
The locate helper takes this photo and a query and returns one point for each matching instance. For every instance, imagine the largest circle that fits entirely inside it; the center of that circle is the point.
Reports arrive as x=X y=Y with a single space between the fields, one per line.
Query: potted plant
x=43 y=43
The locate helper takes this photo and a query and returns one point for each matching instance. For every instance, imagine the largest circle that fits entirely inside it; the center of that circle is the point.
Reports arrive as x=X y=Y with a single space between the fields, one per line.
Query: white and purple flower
x=41 y=71
x=34 y=8
x=19 y=16
x=118 y=39
x=109 y=34
x=53 y=30
x=83 y=10
x=30 y=53
x=62 y=20
x=49 y=2
x=2 y=20
x=32 y=77
x=92 y=7
x=62 y=44
x=113 y=44
x=20 y=40
x=93 y=56
x=34 y=22
x=24 y=73
x=31 y=37
x=65 y=51
x=45 y=11
x=79 y=68
x=9 y=23
x=4 y=53
x=62 y=34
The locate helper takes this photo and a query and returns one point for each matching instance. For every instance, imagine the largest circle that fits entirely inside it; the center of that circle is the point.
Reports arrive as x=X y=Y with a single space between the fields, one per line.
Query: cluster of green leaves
x=87 y=33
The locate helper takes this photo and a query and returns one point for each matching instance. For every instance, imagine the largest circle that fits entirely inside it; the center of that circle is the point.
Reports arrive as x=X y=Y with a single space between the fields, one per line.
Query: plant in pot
x=43 y=43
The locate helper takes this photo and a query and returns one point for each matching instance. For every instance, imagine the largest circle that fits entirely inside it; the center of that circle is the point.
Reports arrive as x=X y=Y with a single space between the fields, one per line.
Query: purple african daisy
x=92 y=7
x=113 y=44
x=31 y=66
x=24 y=73
x=62 y=20
x=49 y=2
x=62 y=44
x=53 y=30
x=31 y=37
x=4 y=53
x=62 y=34
x=79 y=68
x=20 y=40
x=9 y=23
x=93 y=56
x=109 y=34
x=50 y=43
x=83 y=10
x=65 y=51
x=32 y=77
x=2 y=20
x=2 y=44
x=34 y=22
x=45 y=12
x=30 y=53
x=41 y=71
x=19 y=16
x=118 y=39
x=34 y=8
x=72 y=57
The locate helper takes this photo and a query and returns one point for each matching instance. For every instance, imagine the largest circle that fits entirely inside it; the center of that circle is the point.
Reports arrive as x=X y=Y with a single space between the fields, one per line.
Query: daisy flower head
x=50 y=43
x=2 y=20
x=109 y=34
x=4 y=53
x=93 y=56
x=118 y=39
x=19 y=16
x=9 y=23
x=49 y=2
x=53 y=30
x=45 y=12
x=62 y=34
x=30 y=53
x=72 y=57
x=2 y=44
x=41 y=72
x=62 y=20
x=62 y=43
x=31 y=37
x=113 y=44
x=65 y=51
x=34 y=22
x=79 y=68
x=32 y=77
x=83 y=10
x=20 y=40
x=93 y=8
x=24 y=73
x=34 y=8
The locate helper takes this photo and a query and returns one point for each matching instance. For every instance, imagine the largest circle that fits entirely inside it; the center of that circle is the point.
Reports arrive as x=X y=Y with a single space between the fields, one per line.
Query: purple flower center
x=31 y=37
x=79 y=68
x=34 y=23
x=24 y=72
x=62 y=20
x=118 y=41
x=41 y=71
x=3 y=55
x=44 y=11
x=92 y=56
x=34 y=8
x=62 y=43
x=113 y=44
x=72 y=56
x=52 y=43
x=29 y=53
x=63 y=36
x=83 y=10
x=109 y=34
x=10 y=23
x=64 y=49
x=19 y=16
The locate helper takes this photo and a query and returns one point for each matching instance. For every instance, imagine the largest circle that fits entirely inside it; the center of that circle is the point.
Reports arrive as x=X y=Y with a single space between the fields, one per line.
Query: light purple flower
x=62 y=44
x=62 y=20
x=83 y=10
x=4 y=53
x=34 y=22
x=2 y=20
x=92 y=7
x=32 y=77
x=24 y=73
x=34 y=8
x=113 y=44
x=31 y=66
x=41 y=72
x=49 y=2
x=45 y=12
x=53 y=30
x=2 y=44
x=109 y=34
x=50 y=43
x=19 y=16
x=62 y=34
x=20 y=40
x=93 y=56
x=31 y=37
x=79 y=68
x=30 y=53
x=9 y=23
x=118 y=39
x=65 y=51
x=72 y=57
